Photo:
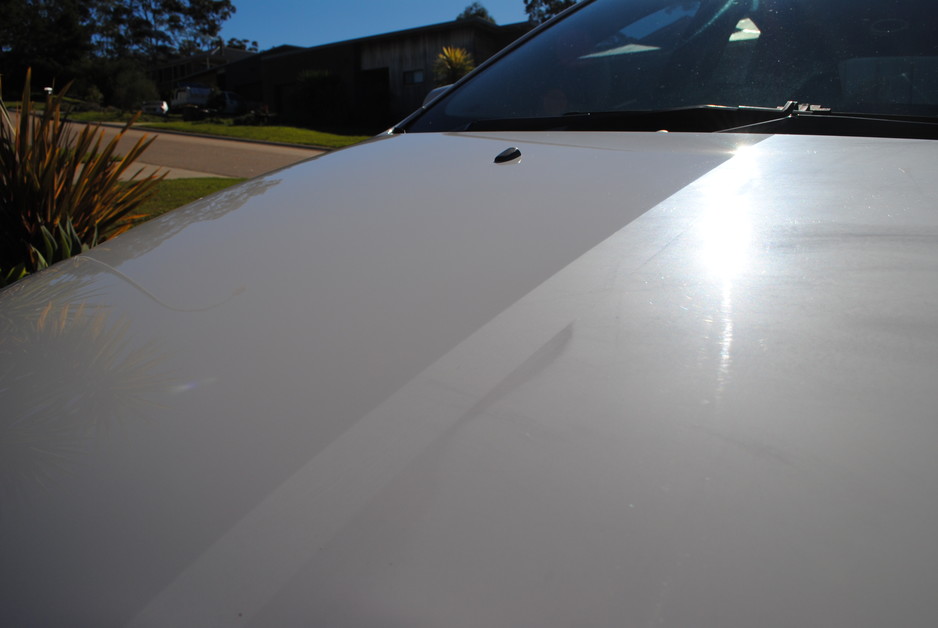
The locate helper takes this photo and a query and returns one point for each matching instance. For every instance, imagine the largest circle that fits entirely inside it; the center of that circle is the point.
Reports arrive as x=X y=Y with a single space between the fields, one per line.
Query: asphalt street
x=193 y=156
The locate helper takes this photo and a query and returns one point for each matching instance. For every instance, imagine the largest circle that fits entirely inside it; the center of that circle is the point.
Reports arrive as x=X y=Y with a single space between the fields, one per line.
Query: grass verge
x=284 y=134
x=111 y=115
x=224 y=128
x=173 y=193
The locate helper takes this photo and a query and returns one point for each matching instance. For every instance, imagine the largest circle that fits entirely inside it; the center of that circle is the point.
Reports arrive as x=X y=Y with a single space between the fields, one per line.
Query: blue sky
x=314 y=22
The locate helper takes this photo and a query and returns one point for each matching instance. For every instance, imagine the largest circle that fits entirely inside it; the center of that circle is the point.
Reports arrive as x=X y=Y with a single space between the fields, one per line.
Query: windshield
x=863 y=56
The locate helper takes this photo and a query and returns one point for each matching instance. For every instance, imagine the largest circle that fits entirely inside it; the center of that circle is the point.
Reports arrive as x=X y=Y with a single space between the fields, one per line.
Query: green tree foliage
x=58 y=37
x=130 y=87
x=52 y=36
x=60 y=191
x=476 y=10
x=104 y=46
x=542 y=10
x=452 y=64
x=156 y=29
x=241 y=44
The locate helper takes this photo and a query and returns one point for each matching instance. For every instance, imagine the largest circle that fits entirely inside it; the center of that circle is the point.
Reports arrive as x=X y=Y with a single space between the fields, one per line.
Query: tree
x=130 y=86
x=56 y=37
x=542 y=10
x=452 y=64
x=52 y=36
x=104 y=46
x=241 y=44
x=476 y=10
x=156 y=29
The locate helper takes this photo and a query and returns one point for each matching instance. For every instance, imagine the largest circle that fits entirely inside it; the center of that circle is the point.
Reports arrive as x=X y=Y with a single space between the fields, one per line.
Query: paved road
x=191 y=156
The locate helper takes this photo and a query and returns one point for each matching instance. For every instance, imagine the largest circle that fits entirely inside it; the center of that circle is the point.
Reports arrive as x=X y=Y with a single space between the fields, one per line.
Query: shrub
x=254 y=117
x=94 y=96
x=130 y=87
x=60 y=190
x=452 y=64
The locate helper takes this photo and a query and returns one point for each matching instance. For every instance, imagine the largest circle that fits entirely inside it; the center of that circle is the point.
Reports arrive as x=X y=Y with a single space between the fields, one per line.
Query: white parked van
x=189 y=95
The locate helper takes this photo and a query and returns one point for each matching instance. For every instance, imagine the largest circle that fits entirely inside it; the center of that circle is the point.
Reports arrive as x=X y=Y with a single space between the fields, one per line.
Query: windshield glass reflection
x=874 y=56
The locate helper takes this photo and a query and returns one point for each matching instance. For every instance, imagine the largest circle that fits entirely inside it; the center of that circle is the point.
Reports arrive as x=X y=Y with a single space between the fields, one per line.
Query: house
x=369 y=82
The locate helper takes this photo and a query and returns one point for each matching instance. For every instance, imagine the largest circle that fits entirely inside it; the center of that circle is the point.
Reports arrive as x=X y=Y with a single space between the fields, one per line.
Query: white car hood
x=629 y=380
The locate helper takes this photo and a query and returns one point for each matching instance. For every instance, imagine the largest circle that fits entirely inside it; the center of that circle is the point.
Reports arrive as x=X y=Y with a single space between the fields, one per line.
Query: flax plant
x=452 y=64
x=60 y=189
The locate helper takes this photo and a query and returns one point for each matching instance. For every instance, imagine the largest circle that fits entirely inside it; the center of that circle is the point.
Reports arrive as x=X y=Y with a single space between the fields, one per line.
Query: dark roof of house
x=520 y=27
x=517 y=29
x=477 y=22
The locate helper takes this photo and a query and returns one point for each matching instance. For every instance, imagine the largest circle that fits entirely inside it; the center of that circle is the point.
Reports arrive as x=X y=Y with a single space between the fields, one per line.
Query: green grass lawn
x=76 y=115
x=173 y=193
x=225 y=128
x=285 y=134
x=110 y=116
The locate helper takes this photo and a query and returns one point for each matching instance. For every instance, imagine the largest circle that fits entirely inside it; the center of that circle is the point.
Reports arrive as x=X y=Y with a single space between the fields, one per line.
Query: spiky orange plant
x=452 y=64
x=61 y=190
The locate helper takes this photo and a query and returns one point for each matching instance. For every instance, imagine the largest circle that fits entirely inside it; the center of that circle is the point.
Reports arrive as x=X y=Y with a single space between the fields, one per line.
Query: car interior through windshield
x=861 y=56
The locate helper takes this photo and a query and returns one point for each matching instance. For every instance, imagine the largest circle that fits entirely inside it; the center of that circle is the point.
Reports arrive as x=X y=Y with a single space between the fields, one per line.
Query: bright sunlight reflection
x=726 y=229
x=727 y=239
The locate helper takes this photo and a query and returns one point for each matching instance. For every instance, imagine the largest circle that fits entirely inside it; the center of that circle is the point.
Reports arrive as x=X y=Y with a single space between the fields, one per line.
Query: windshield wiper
x=808 y=119
x=792 y=118
x=702 y=118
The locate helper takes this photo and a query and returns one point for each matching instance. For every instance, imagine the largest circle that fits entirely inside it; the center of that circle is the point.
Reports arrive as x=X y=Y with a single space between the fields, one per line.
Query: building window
x=413 y=77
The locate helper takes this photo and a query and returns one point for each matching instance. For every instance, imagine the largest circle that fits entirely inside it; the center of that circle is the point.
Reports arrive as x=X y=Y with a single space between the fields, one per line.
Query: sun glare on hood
x=726 y=228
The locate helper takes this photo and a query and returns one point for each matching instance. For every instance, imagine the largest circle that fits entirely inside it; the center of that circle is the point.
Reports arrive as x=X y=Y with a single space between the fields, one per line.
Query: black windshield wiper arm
x=809 y=119
x=701 y=119
x=791 y=118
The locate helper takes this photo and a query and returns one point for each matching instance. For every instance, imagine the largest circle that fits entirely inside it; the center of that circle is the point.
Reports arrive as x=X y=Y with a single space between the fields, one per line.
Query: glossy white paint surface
x=629 y=380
